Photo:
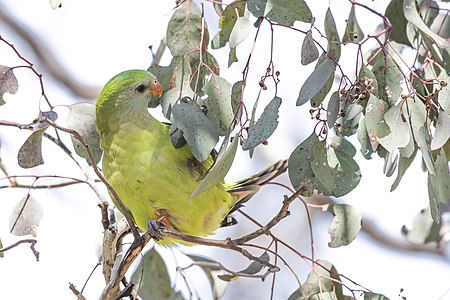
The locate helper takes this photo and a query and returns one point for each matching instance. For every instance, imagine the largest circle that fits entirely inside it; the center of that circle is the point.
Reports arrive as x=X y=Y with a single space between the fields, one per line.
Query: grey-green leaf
x=363 y=138
x=300 y=172
x=323 y=278
x=345 y=226
x=30 y=154
x=81 y=118
x=309 y=49
x=25 y=217
x=398 y=22
x=333 y=109
x=228 y=20
x=399 y=126
x=320 y=165
x=439 y=187
x=442 y=133
x=8 y=82
x=334 y=42
x=219 y=170
x=151 y=279
x=218 y=104
x=287 y=12
x=375 y=123
x=184 y=30
x=353 y=32
x=254 y=268
x=316 y=81
x=411 y=14
x=374 y=296
x=403 y=165
x=423 y=230
x=265 y=125
x=240 y=32
x=199 y=132
x=389 y=78
x=346 y=171
x=212 y=270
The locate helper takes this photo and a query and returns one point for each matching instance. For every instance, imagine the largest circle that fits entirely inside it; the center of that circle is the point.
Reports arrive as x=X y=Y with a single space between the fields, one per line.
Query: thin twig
x=32 y=247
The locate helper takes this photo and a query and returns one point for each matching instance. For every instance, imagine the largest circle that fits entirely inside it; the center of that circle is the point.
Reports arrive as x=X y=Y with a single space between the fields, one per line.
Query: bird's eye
x=140 y=88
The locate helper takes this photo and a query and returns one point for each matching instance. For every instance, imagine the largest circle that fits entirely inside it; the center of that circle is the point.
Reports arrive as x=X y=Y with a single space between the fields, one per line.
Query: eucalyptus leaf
x=424 y=230
x=353 y=32
x=265 y=125
x=309 y=49
x=390 y=165
x=369 y=79
x=240 y=32
x=81 y=118
x=26 y=216
x=184 y=30
x=403 y=165
x=374 y=296
x=363 y=138
x=300 y=171
x=212 y=270
x=30 y=154
x=439 y=188
x=232 y=58
x=375 y=123
x=321 y=95
x=179 y=86
x=411 y=14
x=151 y=278
x=316 y=81
x=199 y=132
x=254 y=268
x=346 y=171
x=423 y=140
x=218 y=104
x=287 y=12
x=331 y=32
x=389 y=78
x=221 y=166
x=345 y=226
x=398 y=22
x=323 y=278
x=333 y=109
x=442 y=133
x=228 y=20
x=236 y=98
x=399 y=126
x=8 y=82
x=320 y=166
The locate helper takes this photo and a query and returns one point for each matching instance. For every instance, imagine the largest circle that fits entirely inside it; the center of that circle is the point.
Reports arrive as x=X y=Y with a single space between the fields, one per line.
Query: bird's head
x=132 y=87
x=126 y=96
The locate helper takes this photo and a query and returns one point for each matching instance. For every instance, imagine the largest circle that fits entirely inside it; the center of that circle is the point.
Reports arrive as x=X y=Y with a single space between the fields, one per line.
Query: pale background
x=94 y=40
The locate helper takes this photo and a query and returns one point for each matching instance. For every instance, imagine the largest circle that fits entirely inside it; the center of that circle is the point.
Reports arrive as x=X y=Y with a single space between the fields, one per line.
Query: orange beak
x=156 y=89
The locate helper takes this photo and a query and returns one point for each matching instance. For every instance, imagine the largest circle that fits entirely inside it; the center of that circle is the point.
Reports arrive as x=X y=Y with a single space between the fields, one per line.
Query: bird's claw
x=154 y=229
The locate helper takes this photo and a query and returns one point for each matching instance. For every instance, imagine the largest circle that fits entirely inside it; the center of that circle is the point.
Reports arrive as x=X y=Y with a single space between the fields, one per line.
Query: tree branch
x=32 y=247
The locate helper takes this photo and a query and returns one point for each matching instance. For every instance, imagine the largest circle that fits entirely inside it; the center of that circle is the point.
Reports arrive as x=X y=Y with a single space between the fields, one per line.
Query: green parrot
x=153 y=178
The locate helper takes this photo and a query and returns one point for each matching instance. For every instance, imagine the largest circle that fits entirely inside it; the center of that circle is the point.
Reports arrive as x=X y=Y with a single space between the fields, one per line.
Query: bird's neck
x=112 y=121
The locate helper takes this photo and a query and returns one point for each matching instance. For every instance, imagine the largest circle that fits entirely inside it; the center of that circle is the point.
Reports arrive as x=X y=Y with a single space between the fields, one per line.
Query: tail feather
x=247 y=188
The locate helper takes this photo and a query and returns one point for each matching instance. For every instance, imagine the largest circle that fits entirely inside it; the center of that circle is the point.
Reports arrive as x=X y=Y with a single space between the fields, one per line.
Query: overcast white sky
x=94 y=40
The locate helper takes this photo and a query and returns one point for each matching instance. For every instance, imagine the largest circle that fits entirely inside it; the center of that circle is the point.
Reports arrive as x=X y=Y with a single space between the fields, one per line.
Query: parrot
x=153 y=179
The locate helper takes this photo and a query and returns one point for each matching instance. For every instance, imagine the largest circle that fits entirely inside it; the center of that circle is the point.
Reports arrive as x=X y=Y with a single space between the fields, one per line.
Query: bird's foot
x=228 y=221
x=154 y=229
